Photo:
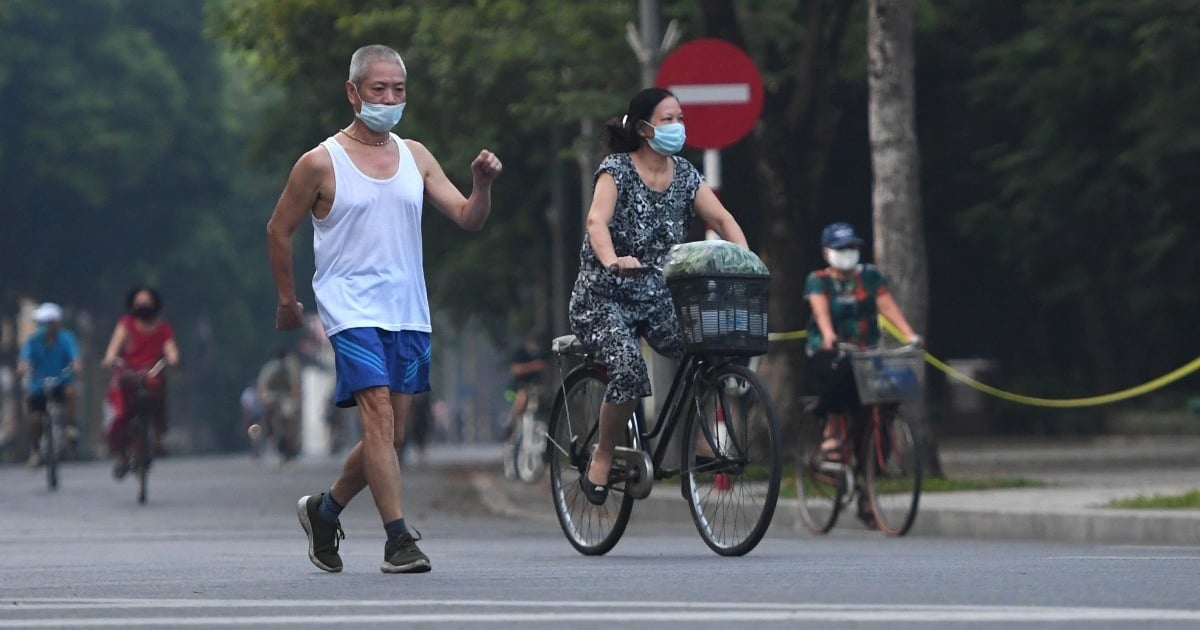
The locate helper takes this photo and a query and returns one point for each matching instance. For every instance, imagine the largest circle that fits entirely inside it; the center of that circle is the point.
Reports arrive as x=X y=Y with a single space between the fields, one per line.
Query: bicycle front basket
x=888 y=376
x=722 y=314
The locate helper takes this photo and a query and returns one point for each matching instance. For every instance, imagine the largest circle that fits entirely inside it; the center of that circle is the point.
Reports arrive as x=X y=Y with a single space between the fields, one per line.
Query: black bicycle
x=140 y=445
x=53 y=429
x=730 y=450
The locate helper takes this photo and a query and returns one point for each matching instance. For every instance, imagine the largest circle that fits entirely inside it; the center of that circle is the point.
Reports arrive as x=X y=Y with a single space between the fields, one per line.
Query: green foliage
x=119 y=147
x=1095 y=191
x=1187 y=500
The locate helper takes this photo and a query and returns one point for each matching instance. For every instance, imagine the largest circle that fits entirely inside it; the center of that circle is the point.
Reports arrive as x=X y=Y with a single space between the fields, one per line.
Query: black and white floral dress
x=609 y=312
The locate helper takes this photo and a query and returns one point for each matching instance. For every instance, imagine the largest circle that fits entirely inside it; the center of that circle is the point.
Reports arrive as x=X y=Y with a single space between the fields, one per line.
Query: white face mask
x=842 y=259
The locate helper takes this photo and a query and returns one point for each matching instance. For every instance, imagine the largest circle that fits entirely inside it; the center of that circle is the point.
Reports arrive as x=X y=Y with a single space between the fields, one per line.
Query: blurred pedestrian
x=416 y=438
x=364 y=189
x=278 y=389
x=527 y=368
x=252 y=419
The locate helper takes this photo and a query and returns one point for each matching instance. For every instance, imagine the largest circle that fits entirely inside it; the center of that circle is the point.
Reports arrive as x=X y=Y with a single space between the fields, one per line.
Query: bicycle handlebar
x=50 y=382
x=848 y=349
x=153 y=370
x=644 y=270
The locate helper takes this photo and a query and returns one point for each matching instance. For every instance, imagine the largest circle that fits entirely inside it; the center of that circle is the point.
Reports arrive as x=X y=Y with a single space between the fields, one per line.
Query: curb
x=1099 y=526
x=1008 y=521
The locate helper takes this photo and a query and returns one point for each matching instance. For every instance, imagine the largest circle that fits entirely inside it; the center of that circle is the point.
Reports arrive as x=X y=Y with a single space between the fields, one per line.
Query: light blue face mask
x=668 y=138
x=380 y=118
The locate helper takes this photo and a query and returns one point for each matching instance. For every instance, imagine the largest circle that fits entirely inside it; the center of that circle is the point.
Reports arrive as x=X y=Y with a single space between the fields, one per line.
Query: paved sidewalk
x=1082 y=476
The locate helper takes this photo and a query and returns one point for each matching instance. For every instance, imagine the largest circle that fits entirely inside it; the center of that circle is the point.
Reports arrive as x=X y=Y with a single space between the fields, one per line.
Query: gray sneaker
x=401 y=555
x=323 y=536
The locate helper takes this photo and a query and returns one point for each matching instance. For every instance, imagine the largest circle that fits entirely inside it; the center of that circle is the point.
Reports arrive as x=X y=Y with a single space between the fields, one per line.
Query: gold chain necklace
x=361 y=141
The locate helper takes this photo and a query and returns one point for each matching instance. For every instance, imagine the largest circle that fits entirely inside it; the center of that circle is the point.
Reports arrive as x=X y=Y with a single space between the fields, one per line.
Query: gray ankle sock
x=395 y=529
x=330 y=509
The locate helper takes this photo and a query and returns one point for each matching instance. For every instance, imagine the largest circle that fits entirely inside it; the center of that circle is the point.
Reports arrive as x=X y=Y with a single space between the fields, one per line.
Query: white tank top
x=369 y=271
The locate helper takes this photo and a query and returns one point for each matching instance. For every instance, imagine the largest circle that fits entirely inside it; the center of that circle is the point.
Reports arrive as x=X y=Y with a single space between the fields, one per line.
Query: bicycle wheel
x=140 y=452
x=732 y=492
x=820 y=493
x=51 y=437
x=592 y=529
x=893 y=472
x=510 y=454
x=531 y=455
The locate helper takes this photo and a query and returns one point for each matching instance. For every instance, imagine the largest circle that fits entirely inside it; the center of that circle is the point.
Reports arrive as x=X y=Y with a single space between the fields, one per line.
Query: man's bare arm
x=298 y=197
x=469 y=213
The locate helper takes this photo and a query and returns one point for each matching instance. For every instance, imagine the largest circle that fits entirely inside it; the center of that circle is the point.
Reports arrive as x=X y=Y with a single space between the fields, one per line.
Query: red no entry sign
x=718 y=86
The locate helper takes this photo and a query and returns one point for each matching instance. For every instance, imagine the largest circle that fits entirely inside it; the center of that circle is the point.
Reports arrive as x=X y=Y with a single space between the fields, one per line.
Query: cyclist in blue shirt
x=51 y=352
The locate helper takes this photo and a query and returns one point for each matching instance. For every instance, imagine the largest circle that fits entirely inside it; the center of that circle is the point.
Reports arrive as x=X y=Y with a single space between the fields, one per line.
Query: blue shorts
x=373 y=357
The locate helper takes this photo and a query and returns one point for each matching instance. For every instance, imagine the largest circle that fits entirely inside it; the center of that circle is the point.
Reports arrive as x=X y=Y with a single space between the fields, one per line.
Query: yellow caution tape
x=1149 y=386
x=787 y=336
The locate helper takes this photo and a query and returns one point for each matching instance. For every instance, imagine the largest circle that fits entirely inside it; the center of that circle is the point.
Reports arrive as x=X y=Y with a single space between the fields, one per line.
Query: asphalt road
x=218 y=545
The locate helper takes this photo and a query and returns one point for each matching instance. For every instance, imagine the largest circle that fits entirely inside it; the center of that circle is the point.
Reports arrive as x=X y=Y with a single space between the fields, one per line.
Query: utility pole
x=645 y=42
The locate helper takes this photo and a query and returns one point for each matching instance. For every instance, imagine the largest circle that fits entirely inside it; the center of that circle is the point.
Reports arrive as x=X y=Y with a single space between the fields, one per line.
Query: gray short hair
x=367 y=55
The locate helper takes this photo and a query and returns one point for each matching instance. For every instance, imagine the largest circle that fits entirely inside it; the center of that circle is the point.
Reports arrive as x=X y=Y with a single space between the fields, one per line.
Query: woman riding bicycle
x=643 y=203
x=140 y=339
x=846 y=298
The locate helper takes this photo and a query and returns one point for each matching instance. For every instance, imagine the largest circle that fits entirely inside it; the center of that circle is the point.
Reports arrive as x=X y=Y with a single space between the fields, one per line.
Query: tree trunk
x=895 y=159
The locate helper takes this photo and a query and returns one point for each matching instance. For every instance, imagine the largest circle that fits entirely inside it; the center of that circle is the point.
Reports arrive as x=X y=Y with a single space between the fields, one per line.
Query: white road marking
x=712 y=93
x=558 y=612
x=1185 y=558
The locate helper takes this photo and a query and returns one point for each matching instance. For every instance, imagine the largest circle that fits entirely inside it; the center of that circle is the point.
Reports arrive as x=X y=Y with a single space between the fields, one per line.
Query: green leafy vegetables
x=716 y=256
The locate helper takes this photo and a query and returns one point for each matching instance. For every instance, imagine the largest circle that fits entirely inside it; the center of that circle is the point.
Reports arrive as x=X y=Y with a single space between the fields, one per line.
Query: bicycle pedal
x=832 y=469
x=638 y=464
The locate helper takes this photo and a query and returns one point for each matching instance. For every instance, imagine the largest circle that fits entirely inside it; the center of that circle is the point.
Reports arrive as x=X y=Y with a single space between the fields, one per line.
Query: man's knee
x=378 y=422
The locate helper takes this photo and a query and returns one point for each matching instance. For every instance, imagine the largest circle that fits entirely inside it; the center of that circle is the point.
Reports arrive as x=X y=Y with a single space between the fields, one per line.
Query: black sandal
x=596 y=494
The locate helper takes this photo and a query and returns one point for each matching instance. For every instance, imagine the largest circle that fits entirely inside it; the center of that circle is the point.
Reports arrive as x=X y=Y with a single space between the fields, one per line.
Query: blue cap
x=839 y=235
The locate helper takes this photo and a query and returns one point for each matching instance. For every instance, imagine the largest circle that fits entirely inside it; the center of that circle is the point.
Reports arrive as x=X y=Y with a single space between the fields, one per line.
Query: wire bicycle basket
x=722 y=313
x=888 y=376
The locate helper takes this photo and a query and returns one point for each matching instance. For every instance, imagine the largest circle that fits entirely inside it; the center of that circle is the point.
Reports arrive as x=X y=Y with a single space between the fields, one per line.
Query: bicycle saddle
x=569 y=344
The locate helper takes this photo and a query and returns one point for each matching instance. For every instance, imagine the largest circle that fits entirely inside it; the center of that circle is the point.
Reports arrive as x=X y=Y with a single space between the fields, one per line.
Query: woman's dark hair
x=154 y=295
x=623 y=134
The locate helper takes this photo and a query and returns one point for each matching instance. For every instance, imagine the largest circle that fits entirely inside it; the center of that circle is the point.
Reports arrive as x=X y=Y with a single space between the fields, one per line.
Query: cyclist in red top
x=140 y=339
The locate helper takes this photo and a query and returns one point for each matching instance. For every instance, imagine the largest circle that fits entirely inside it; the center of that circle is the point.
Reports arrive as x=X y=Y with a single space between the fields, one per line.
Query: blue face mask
x=668 y=138
x=380 y=118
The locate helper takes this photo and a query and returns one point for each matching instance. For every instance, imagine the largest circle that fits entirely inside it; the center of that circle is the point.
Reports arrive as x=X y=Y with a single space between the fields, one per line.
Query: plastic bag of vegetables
x=712 y=256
